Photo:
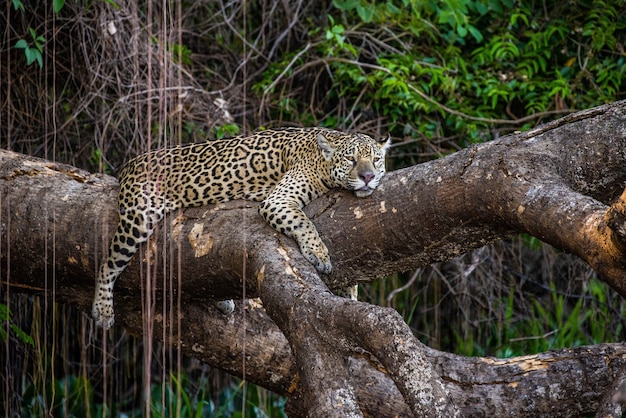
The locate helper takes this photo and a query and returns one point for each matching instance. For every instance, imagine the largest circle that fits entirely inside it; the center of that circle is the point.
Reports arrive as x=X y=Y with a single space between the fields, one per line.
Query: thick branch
x=324 y=330
x=420 y=215
x=555 y=183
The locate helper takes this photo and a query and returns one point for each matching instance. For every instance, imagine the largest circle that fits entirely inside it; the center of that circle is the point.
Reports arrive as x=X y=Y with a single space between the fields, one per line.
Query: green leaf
x=22 y=335
x=112 y=3
x=30 y=55
x=346 y=4
x=366 y=13
x=481 y=7
x=475 y=33
x=57 y=5
x=392 y=9
x=21 y=44
x=496 y=6
x=18 y=5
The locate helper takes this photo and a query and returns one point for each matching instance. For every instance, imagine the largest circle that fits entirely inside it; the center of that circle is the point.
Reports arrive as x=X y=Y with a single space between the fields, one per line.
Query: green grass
x=506 y=310
x=558 y=322
x=180 y=397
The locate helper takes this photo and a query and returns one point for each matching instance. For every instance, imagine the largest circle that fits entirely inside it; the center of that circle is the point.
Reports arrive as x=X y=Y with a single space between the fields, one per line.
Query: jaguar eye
x=376 y=159
x=350 y=158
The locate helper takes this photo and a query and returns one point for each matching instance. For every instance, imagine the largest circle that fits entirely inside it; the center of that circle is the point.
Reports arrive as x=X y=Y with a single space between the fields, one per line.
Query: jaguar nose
x=366 y=176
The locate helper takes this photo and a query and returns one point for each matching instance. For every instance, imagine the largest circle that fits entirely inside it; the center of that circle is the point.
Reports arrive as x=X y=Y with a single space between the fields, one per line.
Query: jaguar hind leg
x=225 y=306
x=133 y=230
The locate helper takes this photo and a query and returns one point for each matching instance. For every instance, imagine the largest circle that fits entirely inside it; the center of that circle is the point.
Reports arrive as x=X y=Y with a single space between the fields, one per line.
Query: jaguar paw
x=320 y=260
x=103 y=314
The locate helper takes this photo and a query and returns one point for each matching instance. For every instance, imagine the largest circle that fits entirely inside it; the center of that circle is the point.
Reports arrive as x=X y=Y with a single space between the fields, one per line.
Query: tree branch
x=563 y=183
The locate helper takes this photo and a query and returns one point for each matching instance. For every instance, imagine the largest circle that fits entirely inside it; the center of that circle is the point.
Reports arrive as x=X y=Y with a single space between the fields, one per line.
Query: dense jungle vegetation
x=438 y=75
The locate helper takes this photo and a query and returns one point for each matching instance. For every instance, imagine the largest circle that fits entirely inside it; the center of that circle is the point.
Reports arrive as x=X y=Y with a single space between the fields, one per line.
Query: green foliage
x=365 y=10
x=455 y=68
x=69 y=397
x=6 y=319
x=18 y=5
x=226 y=130
x=180 y=397
x=181 y=54
x=97 y=161
x=32 y=49
x=552 y=324
x=256 y=403
x=184 y=398
x=532 y=243
x=492 y=312
x=57 y=5
x=174 y=400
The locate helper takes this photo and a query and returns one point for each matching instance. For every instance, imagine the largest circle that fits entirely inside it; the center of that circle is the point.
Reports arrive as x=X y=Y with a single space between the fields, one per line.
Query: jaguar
x=283 y=169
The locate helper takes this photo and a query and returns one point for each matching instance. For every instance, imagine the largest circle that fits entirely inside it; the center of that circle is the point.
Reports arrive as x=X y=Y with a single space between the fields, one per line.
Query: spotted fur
x=284 y=169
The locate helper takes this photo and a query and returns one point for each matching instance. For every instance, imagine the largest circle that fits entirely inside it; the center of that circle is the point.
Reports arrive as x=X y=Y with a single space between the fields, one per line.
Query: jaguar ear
x=385 y=143
x=325 y=146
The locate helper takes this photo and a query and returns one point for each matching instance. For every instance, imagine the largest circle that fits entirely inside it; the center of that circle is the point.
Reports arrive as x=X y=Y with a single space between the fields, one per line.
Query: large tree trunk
x=562 y=182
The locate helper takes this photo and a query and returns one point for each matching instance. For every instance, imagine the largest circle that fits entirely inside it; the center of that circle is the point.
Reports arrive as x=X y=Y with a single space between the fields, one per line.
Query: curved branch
x=563 y=183
x=293 y=294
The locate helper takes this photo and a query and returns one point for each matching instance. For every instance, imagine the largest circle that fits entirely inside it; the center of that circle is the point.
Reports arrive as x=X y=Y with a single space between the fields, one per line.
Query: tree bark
x=562 y=182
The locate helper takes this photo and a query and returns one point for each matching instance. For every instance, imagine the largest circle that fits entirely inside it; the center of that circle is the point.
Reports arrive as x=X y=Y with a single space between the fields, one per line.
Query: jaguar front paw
x=320 y=259
x=324 y=267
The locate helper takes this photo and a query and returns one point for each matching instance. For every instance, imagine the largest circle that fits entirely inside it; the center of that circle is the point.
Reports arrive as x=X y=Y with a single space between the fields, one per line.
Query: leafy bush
x=7 y=323
x=458 y=68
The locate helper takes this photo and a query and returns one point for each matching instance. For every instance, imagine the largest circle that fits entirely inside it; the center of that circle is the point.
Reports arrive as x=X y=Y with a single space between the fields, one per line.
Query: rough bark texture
x=562 y=182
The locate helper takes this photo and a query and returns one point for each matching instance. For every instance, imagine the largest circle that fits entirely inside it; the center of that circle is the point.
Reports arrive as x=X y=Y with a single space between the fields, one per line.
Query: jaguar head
x=357 y=161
